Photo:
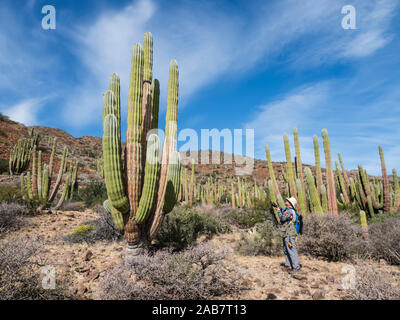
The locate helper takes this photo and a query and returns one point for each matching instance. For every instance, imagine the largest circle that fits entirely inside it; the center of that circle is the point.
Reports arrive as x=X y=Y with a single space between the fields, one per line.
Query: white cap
x=292 y=201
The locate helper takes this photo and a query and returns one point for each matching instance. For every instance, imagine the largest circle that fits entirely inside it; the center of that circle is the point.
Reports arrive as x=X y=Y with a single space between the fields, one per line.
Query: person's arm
x=285 y=215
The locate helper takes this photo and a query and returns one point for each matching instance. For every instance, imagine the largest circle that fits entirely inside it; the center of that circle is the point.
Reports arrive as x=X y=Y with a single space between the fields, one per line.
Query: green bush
x=265 y=241
x=182 y=227
x=94 y=193
x=248 y=218
x=9 y=194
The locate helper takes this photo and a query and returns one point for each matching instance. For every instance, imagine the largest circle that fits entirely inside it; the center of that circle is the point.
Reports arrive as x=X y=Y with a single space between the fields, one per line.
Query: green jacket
x=286 y=226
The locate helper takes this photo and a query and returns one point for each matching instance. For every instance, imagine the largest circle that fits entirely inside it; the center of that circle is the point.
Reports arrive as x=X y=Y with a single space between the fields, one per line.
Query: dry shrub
x=20 y=272
x=334 y=237
x=385 y=240
x=96 y=230
x=12 y=217
x=196 y=273
x=374 y=285
x=265 y=241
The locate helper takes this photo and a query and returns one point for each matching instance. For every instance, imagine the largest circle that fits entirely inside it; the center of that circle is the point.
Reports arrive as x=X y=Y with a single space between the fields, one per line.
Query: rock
x=81 y=289
x=330 y=278
x=246 y=283
x=93 y=276
x=87 y=255
x=383 y=262
x=318 y=295
x=69 y=214
x=271 y=296
x=204 y=260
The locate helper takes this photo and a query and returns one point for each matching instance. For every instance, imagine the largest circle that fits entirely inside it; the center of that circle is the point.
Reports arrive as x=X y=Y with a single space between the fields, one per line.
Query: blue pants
x=292 y=257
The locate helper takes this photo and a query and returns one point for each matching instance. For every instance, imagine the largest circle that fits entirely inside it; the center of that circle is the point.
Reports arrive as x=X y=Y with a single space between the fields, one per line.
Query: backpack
x=299 y=223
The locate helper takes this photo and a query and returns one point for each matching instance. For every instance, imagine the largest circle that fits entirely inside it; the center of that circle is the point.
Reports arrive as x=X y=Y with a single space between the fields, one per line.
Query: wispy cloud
x=209 y=43
x=25 y=111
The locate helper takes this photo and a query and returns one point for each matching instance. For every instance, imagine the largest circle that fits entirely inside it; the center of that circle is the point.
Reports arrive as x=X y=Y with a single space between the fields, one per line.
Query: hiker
x=287 y=218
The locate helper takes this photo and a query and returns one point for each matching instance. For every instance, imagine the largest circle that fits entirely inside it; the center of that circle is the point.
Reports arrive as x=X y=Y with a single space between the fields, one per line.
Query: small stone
x=271 y=296
x=318 y=295
x=69 y=214
x=330 y=278
x=87 y=255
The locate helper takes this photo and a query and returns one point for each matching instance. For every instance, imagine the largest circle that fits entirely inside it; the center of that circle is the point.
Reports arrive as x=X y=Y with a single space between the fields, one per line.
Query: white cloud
x=25 y=112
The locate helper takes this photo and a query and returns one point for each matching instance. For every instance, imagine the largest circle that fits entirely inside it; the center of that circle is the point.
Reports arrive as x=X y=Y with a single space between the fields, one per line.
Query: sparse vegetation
x=20 y=272
x=194 y=274
x=334 y=237
x=94 y=193
x=182 y=227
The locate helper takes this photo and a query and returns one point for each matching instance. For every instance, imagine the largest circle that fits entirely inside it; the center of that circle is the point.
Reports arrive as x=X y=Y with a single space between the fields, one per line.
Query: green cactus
x=143 y=191
x=396 y=192
x=20 y=156
x=342 y=184
x=318 y=171
x=314 y=197
x=386 y=186
x=330 y=180
x=364 y=224
x=324 y=199
x=289 y=167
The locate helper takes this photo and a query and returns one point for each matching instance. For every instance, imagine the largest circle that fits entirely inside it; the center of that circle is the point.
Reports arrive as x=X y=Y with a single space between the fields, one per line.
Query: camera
x=274 y=205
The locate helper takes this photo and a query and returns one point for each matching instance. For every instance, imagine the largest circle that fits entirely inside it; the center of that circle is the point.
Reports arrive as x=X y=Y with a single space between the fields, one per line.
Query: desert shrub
x=334 y=237
x=94 y=193
x=20 y=273
x=384 y=240
x=266 y=240
x=249 y=217
x=4 y=167
x=9 y=194
x=194 y=274
x=182 y=227
x=3 y=134
x=374 y=285
x=12 y=216
x=96 y=230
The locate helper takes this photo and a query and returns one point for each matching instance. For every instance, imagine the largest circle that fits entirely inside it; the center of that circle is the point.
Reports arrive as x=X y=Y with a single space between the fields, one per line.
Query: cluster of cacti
x=37 y=184
x=20 y=155
x=313 y=195
x=140 y=189
x=33 y=137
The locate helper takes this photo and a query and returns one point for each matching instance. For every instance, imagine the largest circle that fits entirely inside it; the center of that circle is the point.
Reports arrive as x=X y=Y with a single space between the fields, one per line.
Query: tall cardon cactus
x=141 y=189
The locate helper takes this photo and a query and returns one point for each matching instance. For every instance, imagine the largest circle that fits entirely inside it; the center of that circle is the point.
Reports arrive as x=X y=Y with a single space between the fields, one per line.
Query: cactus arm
x=330 y=180
x=289 y=167
x=386 y=186
x=59 y=176
x=134 y=133
x=169 y=144
x=112 y=157
x=150 y=179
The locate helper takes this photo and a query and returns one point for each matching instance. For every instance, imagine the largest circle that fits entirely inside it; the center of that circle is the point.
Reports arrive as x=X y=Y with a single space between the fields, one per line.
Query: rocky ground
x=83 y=265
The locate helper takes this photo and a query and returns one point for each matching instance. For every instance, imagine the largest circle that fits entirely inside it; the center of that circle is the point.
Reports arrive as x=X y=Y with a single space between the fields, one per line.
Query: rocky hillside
x=87 y=149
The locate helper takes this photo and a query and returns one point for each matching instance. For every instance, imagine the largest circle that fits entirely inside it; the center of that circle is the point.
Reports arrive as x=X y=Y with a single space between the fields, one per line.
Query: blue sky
x=267 y=65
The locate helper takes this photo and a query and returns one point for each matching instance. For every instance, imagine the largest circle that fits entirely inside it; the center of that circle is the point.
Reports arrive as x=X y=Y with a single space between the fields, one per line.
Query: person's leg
x=292 y=253
x=288 y=263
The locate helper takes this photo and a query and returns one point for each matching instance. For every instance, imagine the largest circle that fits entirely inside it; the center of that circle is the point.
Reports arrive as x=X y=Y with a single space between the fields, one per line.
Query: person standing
x=287 y=217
